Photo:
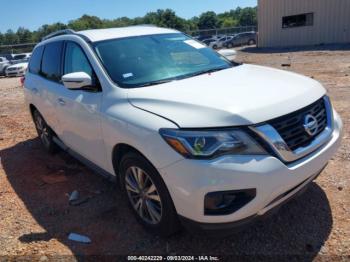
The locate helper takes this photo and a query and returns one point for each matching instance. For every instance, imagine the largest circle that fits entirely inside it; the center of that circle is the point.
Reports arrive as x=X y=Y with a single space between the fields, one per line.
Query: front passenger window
x=75 y=60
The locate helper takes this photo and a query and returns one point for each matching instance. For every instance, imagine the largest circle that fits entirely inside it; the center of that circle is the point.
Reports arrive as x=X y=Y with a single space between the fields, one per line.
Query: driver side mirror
x=77 y=80
x=228 y=53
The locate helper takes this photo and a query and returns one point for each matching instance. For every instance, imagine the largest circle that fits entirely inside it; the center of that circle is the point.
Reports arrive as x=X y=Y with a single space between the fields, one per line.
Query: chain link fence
x=16 y=49
x=223 y=31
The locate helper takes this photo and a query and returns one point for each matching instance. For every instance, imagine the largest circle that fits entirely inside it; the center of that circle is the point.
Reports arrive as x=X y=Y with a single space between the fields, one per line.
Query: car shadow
x=327 y=47
x=300 y=228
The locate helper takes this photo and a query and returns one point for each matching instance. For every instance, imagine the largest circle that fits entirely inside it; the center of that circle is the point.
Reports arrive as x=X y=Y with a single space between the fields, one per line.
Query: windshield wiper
x=158 y=82
x=207 y=71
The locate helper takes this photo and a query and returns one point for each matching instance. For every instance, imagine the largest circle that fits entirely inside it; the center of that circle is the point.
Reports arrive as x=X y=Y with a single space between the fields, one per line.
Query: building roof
x=95 y=35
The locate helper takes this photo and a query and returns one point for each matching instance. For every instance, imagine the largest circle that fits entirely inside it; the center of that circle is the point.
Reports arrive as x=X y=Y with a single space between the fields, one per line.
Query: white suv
x=191 y=136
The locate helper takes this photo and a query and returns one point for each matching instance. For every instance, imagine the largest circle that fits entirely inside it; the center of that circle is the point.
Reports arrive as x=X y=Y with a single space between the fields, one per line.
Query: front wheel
x=44 y=132
x=251 y=42
x=148 y=196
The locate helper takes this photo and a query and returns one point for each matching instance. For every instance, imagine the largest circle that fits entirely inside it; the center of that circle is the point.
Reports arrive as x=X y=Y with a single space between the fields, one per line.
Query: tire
x=154 y=210
x=45 y=133
x=215 y=47
x=251 y=42
x=4 y=71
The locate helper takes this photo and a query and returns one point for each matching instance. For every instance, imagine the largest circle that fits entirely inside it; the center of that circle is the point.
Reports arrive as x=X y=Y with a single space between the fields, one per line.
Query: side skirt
x=85 y=161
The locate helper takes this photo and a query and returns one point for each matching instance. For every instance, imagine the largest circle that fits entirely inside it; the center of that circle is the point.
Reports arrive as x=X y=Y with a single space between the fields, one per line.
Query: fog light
x=227 y=202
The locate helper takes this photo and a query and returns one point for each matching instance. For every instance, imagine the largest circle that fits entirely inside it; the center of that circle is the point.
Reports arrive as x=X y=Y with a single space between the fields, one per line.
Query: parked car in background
x=4 y=63
x=7 y=56
x=247 y=38
x=16 y=69
x=20 y=58
x=219 y=42
x=208 y=41
x=203 y=37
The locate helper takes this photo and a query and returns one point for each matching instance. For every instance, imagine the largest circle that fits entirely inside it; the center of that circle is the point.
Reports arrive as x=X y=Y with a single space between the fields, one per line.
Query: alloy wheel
x=143 y=195
x=42 y=130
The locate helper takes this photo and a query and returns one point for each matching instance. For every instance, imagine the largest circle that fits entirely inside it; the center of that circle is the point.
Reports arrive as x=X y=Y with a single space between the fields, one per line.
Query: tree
x=228 y=22
x=161 y=17
x=24 y=35
x=10 y=38
x=165 y=18
x=1 y=38
x=208 y=20
x=86 y=22
x=248 y=16
x=47 y=29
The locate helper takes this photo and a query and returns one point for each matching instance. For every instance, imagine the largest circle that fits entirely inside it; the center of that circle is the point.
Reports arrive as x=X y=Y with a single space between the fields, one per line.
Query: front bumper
x=15 y=73
x=189 y=181
x=226 y=229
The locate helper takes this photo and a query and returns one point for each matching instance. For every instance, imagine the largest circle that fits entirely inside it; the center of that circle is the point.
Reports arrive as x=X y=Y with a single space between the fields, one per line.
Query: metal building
x=303 y=22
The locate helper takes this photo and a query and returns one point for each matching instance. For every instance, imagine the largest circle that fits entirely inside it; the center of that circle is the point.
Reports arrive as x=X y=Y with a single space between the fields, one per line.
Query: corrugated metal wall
x=331 y=22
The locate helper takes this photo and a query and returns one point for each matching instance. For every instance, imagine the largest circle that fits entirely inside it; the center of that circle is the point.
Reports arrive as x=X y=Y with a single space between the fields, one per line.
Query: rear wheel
x=44 y=132
x=148 y=196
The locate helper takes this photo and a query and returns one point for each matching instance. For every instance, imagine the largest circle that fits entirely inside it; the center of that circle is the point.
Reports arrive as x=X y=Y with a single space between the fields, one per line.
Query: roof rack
x=150 y=25
x=60 y=32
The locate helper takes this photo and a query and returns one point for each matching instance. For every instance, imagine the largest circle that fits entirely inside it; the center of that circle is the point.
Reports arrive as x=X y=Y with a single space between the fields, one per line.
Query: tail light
x=22 y=80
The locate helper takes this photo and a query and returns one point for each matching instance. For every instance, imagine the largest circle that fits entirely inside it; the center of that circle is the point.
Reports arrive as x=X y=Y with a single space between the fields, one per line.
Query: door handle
x=61 y=101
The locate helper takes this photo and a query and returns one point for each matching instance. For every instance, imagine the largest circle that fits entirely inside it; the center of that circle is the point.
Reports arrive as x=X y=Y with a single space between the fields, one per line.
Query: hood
x=25 y=65
x=242 y=95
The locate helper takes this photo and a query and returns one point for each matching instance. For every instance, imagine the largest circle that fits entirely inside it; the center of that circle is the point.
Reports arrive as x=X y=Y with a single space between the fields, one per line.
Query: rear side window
x=35 y=60
x=51 y=63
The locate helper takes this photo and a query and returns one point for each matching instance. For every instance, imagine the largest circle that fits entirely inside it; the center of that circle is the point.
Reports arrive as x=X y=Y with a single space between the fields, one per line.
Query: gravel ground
x=35 y=217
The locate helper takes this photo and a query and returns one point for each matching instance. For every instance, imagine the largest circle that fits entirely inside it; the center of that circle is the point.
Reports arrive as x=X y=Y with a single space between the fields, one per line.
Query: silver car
x=247 y=38
x=4 y=63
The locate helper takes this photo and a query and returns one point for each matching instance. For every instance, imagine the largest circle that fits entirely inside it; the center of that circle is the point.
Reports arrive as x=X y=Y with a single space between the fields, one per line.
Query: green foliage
x=86 y=22
x=208 y=20
x=10 y=37
x=163 y=18
x=248 y=16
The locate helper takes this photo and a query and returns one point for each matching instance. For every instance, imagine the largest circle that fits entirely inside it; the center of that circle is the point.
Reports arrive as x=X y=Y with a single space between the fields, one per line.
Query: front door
x=79 y=110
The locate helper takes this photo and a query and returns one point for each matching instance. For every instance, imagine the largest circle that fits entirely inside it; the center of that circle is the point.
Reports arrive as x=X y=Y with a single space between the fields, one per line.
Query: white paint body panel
x=129 y=31
x=92 y=124
x=241 y=95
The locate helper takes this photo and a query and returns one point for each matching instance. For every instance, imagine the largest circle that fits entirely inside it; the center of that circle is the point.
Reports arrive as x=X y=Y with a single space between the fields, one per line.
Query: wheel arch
x=32 y=108
x=119 y=151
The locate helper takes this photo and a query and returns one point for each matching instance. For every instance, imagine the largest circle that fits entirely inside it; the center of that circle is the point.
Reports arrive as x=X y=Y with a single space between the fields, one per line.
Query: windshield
x=154 y=59
x=16 y=57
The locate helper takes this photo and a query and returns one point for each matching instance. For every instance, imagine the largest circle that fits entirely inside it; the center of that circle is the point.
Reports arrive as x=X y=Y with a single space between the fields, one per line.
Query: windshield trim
x=171 y=79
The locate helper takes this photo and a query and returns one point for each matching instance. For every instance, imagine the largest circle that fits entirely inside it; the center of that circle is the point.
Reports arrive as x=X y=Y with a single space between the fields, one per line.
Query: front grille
x=12 y=69
x=291 y=126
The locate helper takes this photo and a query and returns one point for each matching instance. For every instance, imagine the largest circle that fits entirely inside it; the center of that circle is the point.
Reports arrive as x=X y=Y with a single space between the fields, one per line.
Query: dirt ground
x=35 y=217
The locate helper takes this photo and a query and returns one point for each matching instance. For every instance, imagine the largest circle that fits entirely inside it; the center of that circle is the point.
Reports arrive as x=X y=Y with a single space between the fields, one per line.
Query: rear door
x=49 y=85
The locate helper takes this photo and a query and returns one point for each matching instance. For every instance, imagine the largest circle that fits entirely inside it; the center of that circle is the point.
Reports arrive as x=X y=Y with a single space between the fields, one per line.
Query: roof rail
x=57 y=33
x=150 y=25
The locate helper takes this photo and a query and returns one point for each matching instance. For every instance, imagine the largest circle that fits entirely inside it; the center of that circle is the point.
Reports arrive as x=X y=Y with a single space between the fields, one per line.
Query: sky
x=31 y=14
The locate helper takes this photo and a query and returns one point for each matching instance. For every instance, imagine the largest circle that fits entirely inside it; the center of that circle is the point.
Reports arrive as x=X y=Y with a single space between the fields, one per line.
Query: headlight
x=209 y=144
